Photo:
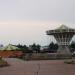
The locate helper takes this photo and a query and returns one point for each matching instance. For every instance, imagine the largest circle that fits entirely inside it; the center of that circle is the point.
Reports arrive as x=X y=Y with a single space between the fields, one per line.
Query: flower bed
x=8 y=54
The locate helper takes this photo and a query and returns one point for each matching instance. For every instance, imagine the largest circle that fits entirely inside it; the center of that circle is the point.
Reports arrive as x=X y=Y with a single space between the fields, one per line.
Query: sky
x=26 y=21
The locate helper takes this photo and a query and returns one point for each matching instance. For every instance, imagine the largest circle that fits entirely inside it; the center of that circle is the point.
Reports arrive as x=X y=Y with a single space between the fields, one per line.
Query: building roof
x=9 y=47
x=63 y=27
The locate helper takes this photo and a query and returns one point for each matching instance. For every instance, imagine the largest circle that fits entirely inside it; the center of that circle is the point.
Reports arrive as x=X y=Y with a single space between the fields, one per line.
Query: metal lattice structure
x=63 y=36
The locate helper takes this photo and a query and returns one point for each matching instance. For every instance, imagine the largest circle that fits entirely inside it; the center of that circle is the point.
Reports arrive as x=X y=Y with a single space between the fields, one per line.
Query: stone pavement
x=42 y=67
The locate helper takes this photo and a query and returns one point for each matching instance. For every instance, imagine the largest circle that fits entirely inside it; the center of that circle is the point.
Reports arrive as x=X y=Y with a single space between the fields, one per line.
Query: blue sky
x=25 y=21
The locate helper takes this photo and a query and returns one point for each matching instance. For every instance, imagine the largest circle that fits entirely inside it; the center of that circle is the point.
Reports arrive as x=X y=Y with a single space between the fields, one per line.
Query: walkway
x=48 y=67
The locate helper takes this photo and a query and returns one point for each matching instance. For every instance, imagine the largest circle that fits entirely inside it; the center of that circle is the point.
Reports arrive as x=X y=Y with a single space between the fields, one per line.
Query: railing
x=60 y=31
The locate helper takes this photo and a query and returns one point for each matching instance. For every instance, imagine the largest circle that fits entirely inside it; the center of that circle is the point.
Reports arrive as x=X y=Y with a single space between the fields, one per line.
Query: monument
x=63 y=36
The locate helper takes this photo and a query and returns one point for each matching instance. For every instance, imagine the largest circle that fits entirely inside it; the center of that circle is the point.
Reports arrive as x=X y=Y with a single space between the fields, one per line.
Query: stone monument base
x=63 y=51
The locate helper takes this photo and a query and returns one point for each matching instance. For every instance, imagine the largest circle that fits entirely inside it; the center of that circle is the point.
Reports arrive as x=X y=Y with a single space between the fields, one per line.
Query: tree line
x=36 y=48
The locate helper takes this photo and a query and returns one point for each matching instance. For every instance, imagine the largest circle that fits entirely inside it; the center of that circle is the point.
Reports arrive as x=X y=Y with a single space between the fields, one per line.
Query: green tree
x=55 y=47
x=72 y=46
x=23 y=48
x=36 y=48
x=52 y=48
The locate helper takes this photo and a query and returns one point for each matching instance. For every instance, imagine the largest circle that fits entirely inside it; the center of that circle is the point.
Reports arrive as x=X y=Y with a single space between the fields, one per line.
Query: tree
x=36 y=48
x=52 y=48
x=72 y=46
x=23 y=48
x=55 y=47
x=33 y=47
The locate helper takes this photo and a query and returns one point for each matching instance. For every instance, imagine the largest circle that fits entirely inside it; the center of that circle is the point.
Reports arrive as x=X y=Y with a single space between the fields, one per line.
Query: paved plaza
x=43 y=67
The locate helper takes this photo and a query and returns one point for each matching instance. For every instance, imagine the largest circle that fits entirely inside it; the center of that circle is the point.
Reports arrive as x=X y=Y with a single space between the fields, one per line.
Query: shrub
x=3 y=63
x=70 y=61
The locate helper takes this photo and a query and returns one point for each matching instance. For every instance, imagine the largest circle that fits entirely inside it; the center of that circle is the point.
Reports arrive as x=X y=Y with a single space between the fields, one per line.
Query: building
x=63 y=36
